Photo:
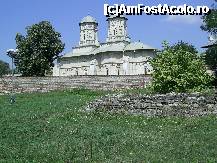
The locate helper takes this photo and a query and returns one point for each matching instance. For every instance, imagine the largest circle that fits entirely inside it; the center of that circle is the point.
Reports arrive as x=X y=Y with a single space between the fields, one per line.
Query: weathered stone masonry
x=186 y=105
x=46 y=84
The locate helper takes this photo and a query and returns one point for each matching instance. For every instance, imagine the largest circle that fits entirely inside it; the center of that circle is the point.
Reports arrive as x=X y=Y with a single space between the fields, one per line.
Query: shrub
x=178 y=69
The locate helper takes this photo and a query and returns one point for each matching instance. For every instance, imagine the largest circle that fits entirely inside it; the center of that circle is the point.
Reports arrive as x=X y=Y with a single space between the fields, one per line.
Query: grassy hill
x=51 y=127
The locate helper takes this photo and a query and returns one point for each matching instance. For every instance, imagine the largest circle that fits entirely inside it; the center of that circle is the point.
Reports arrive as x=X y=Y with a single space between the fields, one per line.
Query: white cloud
x=184 y=19
x=187 y=19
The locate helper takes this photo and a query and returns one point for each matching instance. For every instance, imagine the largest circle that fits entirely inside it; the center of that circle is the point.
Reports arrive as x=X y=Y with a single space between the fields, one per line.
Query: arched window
x=107 y=71
x=85 y=71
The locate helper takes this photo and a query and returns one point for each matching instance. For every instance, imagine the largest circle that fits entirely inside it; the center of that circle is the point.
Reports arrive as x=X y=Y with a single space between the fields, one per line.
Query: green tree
x=4 y=68
x=179 y=70
x=184 y=46
x=210 y=26
x=211 y=57
x=38 y=49
x=210 y=20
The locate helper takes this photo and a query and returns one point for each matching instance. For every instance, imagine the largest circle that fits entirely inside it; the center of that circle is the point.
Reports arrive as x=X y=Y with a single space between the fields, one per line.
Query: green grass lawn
x=50 y=128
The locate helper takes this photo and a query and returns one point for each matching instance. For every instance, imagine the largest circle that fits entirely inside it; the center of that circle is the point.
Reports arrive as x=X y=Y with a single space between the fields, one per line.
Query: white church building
x=117 y=56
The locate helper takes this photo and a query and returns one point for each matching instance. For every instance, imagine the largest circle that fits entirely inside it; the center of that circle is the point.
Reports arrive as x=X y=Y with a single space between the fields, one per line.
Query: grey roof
x=88 y=19
x=137 y=46
x=209 y=45
x=110 y=47
x=71 y=54
x=212 y=41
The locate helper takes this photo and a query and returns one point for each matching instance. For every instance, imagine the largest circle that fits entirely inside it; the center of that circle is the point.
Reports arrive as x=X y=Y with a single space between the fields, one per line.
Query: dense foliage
x=184 y=46
x=210 y=20
x=179 y=69
x=4 y=68
x=38 y=50
x=211 y=57
x=210 y=26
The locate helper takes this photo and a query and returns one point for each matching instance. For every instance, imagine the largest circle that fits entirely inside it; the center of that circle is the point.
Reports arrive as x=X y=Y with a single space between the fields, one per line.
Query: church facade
x=117 y=56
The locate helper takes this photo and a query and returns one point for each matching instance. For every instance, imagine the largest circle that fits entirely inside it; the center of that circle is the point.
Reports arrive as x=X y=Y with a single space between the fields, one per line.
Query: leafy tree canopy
x=210 y=26
x=179 y=69
x=184 y=46
x=4 y=68
x=211 y=57
x=38 y=49
x=210 y=20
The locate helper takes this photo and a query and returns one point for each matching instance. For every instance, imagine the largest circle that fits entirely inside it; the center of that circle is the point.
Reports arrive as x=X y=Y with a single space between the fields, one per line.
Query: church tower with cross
x=117 y=29
x=88 y=32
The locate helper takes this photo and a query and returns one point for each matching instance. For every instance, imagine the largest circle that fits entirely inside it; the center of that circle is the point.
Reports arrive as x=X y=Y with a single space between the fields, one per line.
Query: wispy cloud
x=184 y=19
x=187 y=19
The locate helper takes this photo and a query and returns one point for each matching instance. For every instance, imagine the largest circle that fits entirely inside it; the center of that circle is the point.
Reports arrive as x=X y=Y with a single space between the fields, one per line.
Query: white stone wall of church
x=56 y=71
x=75 y=66
x=110 y=63
x=110 y=69
x=138 y=60
x=139 y=56
x=111 y=57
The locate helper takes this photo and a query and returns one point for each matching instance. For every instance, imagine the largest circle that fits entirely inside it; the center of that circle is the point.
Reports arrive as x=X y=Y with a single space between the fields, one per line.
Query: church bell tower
x=117 y=29
x=88 y=32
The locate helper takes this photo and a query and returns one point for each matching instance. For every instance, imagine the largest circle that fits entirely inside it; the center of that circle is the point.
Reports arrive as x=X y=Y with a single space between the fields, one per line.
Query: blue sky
x=65 y=15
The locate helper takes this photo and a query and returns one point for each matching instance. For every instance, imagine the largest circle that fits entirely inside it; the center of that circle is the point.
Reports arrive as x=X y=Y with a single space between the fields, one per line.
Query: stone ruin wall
x=161 y=105
x=46 y=84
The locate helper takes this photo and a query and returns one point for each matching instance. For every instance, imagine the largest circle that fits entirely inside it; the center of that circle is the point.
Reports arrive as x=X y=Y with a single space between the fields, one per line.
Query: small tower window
x=84 y=37
x=114 y=32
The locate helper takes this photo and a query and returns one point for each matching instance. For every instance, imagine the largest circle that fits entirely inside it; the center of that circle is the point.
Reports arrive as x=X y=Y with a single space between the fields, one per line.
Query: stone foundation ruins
x=162 y=105
x=46 y=84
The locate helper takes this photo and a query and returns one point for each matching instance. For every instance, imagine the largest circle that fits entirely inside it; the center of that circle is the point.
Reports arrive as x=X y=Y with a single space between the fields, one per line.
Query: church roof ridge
x=108 y=47
x=138 y=45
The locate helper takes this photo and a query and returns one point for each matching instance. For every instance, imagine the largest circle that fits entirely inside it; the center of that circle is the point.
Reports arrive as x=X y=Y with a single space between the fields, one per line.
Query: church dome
x=88 y=19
